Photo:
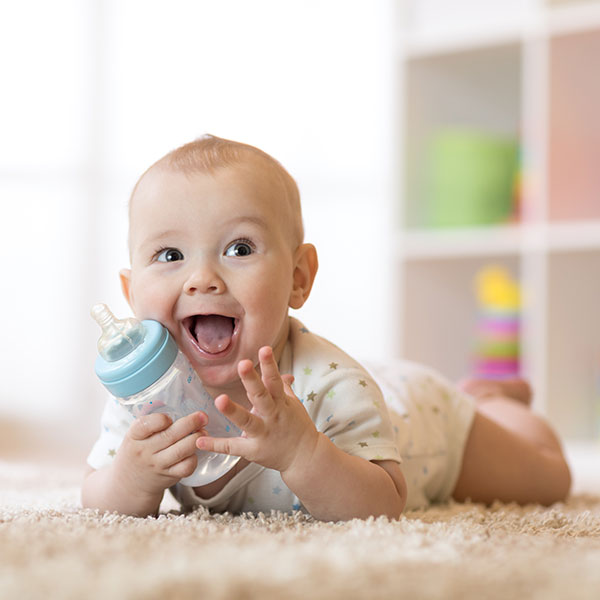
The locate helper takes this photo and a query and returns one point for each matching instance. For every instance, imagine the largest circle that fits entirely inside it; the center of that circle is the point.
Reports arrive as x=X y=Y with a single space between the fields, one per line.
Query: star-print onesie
x=347 y=405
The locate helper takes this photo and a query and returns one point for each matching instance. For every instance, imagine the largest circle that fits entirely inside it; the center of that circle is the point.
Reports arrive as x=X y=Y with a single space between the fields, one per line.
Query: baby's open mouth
x=213 y=333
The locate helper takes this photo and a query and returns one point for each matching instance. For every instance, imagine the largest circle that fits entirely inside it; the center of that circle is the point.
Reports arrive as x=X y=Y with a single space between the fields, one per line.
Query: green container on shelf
x=471 y=178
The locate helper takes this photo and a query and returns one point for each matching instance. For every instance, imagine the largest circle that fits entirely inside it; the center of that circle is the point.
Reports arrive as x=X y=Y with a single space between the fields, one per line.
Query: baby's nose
x=204 y=280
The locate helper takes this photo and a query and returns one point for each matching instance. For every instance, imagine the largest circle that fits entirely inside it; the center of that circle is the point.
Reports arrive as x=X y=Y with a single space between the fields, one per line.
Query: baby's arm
x=334 y=485
x=279 y=434
x=155 y=454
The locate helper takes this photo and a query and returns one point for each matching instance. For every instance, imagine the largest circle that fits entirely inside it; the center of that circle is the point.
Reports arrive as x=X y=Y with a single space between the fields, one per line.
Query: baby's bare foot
x=515 y=388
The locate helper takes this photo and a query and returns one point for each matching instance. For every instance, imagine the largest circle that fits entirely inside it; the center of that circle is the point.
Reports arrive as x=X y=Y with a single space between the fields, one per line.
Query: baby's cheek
x=152 y=302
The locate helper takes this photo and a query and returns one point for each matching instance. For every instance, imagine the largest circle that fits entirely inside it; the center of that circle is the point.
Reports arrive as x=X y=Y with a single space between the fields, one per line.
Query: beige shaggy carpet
x=51 y=548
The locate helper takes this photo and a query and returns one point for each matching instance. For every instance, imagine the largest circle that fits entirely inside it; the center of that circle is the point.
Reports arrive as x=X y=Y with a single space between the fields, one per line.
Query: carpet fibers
x=51 y=548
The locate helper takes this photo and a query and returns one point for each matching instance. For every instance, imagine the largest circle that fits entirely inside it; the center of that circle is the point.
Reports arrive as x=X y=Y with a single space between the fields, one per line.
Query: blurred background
x=446 y=153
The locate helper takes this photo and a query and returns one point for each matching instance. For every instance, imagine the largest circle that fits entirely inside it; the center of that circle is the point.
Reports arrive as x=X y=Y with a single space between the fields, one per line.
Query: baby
x=218 y=257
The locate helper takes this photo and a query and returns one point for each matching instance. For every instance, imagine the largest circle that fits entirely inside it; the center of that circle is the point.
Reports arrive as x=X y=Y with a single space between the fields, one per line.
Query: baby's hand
x=156 y=453
x=277 y=431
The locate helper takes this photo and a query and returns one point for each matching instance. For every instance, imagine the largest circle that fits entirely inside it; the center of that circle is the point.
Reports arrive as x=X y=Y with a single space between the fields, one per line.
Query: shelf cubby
x=475 y=91
x=574 y=127
x=440 y=310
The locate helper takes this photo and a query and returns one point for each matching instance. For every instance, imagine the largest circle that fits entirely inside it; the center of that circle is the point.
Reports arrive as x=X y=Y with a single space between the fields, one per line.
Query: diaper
x=431 y=419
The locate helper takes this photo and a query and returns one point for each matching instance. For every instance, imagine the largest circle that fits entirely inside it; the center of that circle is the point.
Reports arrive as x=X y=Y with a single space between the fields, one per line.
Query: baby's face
x=212 y=259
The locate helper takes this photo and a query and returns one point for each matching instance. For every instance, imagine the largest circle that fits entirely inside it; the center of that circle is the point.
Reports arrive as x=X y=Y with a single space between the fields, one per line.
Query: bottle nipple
x=119 y=336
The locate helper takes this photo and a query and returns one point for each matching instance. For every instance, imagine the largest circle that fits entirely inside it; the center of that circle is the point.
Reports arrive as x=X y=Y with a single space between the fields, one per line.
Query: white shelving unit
x=530 y=70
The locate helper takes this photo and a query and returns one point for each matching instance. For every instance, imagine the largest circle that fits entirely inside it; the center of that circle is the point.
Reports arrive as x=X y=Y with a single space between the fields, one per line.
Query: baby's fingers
x=233 y=446
x=288 y=380
x=181 y=450
x=271 y=377
x=146 y=426
x=250 y=424
x=259 y=396
x=162 y=432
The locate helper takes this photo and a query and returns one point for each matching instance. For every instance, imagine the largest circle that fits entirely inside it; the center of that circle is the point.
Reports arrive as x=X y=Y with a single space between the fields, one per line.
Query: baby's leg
x=511 y=454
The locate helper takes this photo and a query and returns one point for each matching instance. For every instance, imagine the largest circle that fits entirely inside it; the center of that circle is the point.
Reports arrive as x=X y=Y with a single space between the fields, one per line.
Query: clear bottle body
x=179 y=392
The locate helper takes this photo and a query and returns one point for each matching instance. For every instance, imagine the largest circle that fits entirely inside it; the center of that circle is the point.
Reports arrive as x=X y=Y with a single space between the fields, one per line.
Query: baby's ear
x=305 y=270
x=125 y=277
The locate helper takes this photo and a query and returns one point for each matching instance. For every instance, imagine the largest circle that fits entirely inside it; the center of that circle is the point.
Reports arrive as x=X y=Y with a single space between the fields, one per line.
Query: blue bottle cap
x=144 y=365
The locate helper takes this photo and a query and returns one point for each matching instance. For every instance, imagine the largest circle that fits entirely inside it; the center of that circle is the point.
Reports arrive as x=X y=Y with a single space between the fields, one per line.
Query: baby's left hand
x=277 y=431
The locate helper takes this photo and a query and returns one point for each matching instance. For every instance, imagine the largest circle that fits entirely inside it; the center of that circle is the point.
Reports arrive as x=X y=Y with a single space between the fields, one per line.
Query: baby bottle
x=140 y=364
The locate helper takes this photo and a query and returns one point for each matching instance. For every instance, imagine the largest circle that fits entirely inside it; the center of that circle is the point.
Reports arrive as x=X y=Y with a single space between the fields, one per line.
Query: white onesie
x=422 y=424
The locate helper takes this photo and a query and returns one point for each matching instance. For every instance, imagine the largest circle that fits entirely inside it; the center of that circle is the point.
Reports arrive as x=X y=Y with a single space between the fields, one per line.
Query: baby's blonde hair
x=209 y=153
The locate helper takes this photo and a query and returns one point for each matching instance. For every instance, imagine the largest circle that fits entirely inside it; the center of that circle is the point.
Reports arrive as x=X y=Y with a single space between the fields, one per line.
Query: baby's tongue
x=213 y=332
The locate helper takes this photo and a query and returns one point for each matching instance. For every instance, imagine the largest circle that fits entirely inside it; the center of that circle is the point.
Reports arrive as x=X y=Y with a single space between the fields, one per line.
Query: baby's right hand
x=156 y=453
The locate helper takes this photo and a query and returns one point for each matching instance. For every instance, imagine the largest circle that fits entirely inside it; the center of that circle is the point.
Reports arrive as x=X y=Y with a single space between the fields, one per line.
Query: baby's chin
x=220 y=379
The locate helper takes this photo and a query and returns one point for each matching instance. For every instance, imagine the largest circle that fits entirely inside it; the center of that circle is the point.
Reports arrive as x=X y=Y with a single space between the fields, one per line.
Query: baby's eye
x=240 y=248
x=169 y=255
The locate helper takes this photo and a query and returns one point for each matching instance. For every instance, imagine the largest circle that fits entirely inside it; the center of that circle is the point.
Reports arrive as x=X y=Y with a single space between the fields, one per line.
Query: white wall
x=94 y=90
